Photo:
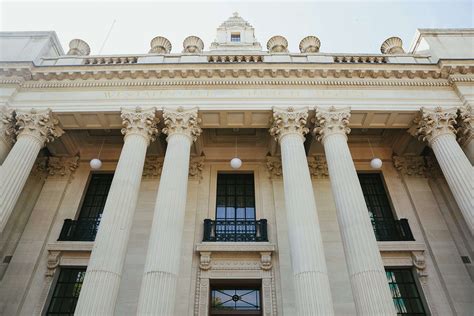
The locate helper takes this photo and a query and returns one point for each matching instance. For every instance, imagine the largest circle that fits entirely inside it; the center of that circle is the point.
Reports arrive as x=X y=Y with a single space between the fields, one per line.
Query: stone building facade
x=310 y=224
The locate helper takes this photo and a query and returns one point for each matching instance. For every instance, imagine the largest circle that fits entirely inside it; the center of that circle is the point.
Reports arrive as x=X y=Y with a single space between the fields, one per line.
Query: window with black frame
x=235 y=207
x=405 y=294
x=86 y=226
x=386 y=227
x=66 y=291
x=235 y=301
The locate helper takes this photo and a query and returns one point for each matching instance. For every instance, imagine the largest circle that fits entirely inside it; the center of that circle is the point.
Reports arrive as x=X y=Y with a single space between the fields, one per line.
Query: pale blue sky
x=342 y=26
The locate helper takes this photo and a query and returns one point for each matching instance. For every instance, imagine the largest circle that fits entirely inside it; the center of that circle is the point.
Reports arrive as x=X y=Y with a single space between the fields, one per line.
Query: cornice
x=342 y=74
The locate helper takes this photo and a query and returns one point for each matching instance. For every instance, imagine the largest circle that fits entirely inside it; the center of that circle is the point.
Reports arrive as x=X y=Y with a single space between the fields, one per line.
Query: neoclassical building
x=352 y=192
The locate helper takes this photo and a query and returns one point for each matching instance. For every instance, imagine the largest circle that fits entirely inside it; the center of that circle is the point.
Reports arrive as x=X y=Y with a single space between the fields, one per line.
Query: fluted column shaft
x=35 y=129
x=158 y=289
x=459 y=173
x=313 y=295
x=437 y=127
x=104 y=271
x=366 y=271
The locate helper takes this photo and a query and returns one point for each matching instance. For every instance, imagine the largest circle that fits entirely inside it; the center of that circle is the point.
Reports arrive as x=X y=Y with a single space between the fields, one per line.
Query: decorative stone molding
x=141 y=122
x=39 y=124
x=392 y=45
x=160 y=45
x=7 y=125
x=465 y=128
x=318 y=166
x=410 y=165
x=78 y=47
x=182 y=121
x=196 y=166
x=277 y=44
x=310 y=44
x=193 y=45
x=274 y=167
x=205 y=261
x=433 y=123
x=153 y=166
x=331 y=121
x=54 y=258
x=266 y=260
x=405 y=254
x=419 y=262
x=289 y=121
x=62 y=166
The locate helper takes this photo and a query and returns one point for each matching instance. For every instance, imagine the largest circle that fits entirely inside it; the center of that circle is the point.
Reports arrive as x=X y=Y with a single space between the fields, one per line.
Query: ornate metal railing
x=235 y=230
x=391 y=229
x=84 y=229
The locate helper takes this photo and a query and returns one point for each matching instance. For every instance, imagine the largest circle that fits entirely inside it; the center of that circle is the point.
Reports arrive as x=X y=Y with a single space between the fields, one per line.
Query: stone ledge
x=71 y=246
x=67 y=253
x=385 y=246
x=235 y=246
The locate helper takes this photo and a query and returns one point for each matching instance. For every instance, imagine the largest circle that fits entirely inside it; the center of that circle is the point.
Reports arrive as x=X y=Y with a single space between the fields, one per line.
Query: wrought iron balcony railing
x=83 y=229
x=235 y=230
x=391 y=229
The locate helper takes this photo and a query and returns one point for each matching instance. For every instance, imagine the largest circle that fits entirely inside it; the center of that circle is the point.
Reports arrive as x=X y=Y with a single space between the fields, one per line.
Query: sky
x=126 y=27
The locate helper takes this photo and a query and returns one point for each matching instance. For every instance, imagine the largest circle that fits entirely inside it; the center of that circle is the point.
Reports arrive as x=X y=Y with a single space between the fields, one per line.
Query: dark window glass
x=235 y=197
x=96 y=195
x=375 y=196
x=405 y=293
x=236 y=299
x=235 y=37
x=66 y=292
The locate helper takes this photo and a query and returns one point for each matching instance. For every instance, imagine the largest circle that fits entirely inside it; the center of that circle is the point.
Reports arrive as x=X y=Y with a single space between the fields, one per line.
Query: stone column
x=366 y=271
x=101 y=284
x=7 y=132
x=311 y=282
x=35 y=129
x=158 y=289
x=437 y=128
x=466 y=131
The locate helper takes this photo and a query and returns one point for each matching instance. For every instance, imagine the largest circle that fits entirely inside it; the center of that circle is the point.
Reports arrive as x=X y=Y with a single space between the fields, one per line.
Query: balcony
x=83 y=229
x=392 y=230
x=235 y=230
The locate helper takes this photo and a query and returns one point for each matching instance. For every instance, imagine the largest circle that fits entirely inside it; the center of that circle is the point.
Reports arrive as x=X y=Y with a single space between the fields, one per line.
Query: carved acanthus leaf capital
x=196 y=166
x=39 y=124
x=7 y=125
x=465 y=129
x=62 y=166
x=274 y=167
x=331 y=121
x=410 y=165
x=318 y=166
x=289 y=121
x=153 y=166
x=141 y=122
x=435 y=122
x=182 y=121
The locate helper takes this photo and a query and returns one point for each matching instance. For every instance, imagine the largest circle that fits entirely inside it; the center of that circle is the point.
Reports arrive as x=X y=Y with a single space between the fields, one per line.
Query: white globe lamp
x=236 y=163
x=95 y=164
x=376 y=163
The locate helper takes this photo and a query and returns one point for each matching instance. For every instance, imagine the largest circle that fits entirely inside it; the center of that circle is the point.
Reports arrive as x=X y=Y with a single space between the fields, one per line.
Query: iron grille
x=237 y=230
x=83 y=229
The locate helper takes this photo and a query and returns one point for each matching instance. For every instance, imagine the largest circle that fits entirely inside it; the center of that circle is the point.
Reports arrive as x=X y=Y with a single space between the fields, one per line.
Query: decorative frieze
x=39 y=124
x=318 y=166
x=331 y=121
x=435 y=122
x=7 y=125
x=139 y=121
x=62 y=166
x=182 y=121
x=289 y=121
x=410 y=165
x=465 y=128
x=274 y=167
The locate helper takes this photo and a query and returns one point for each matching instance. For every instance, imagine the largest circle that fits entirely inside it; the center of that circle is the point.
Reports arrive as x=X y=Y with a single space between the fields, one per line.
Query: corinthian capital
x=289 y=121
x=182 y=121
x=466 y=124
x=7 y=125
x=331 y=121
x=39 y=124
x=433 y=123
x=141 y=122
